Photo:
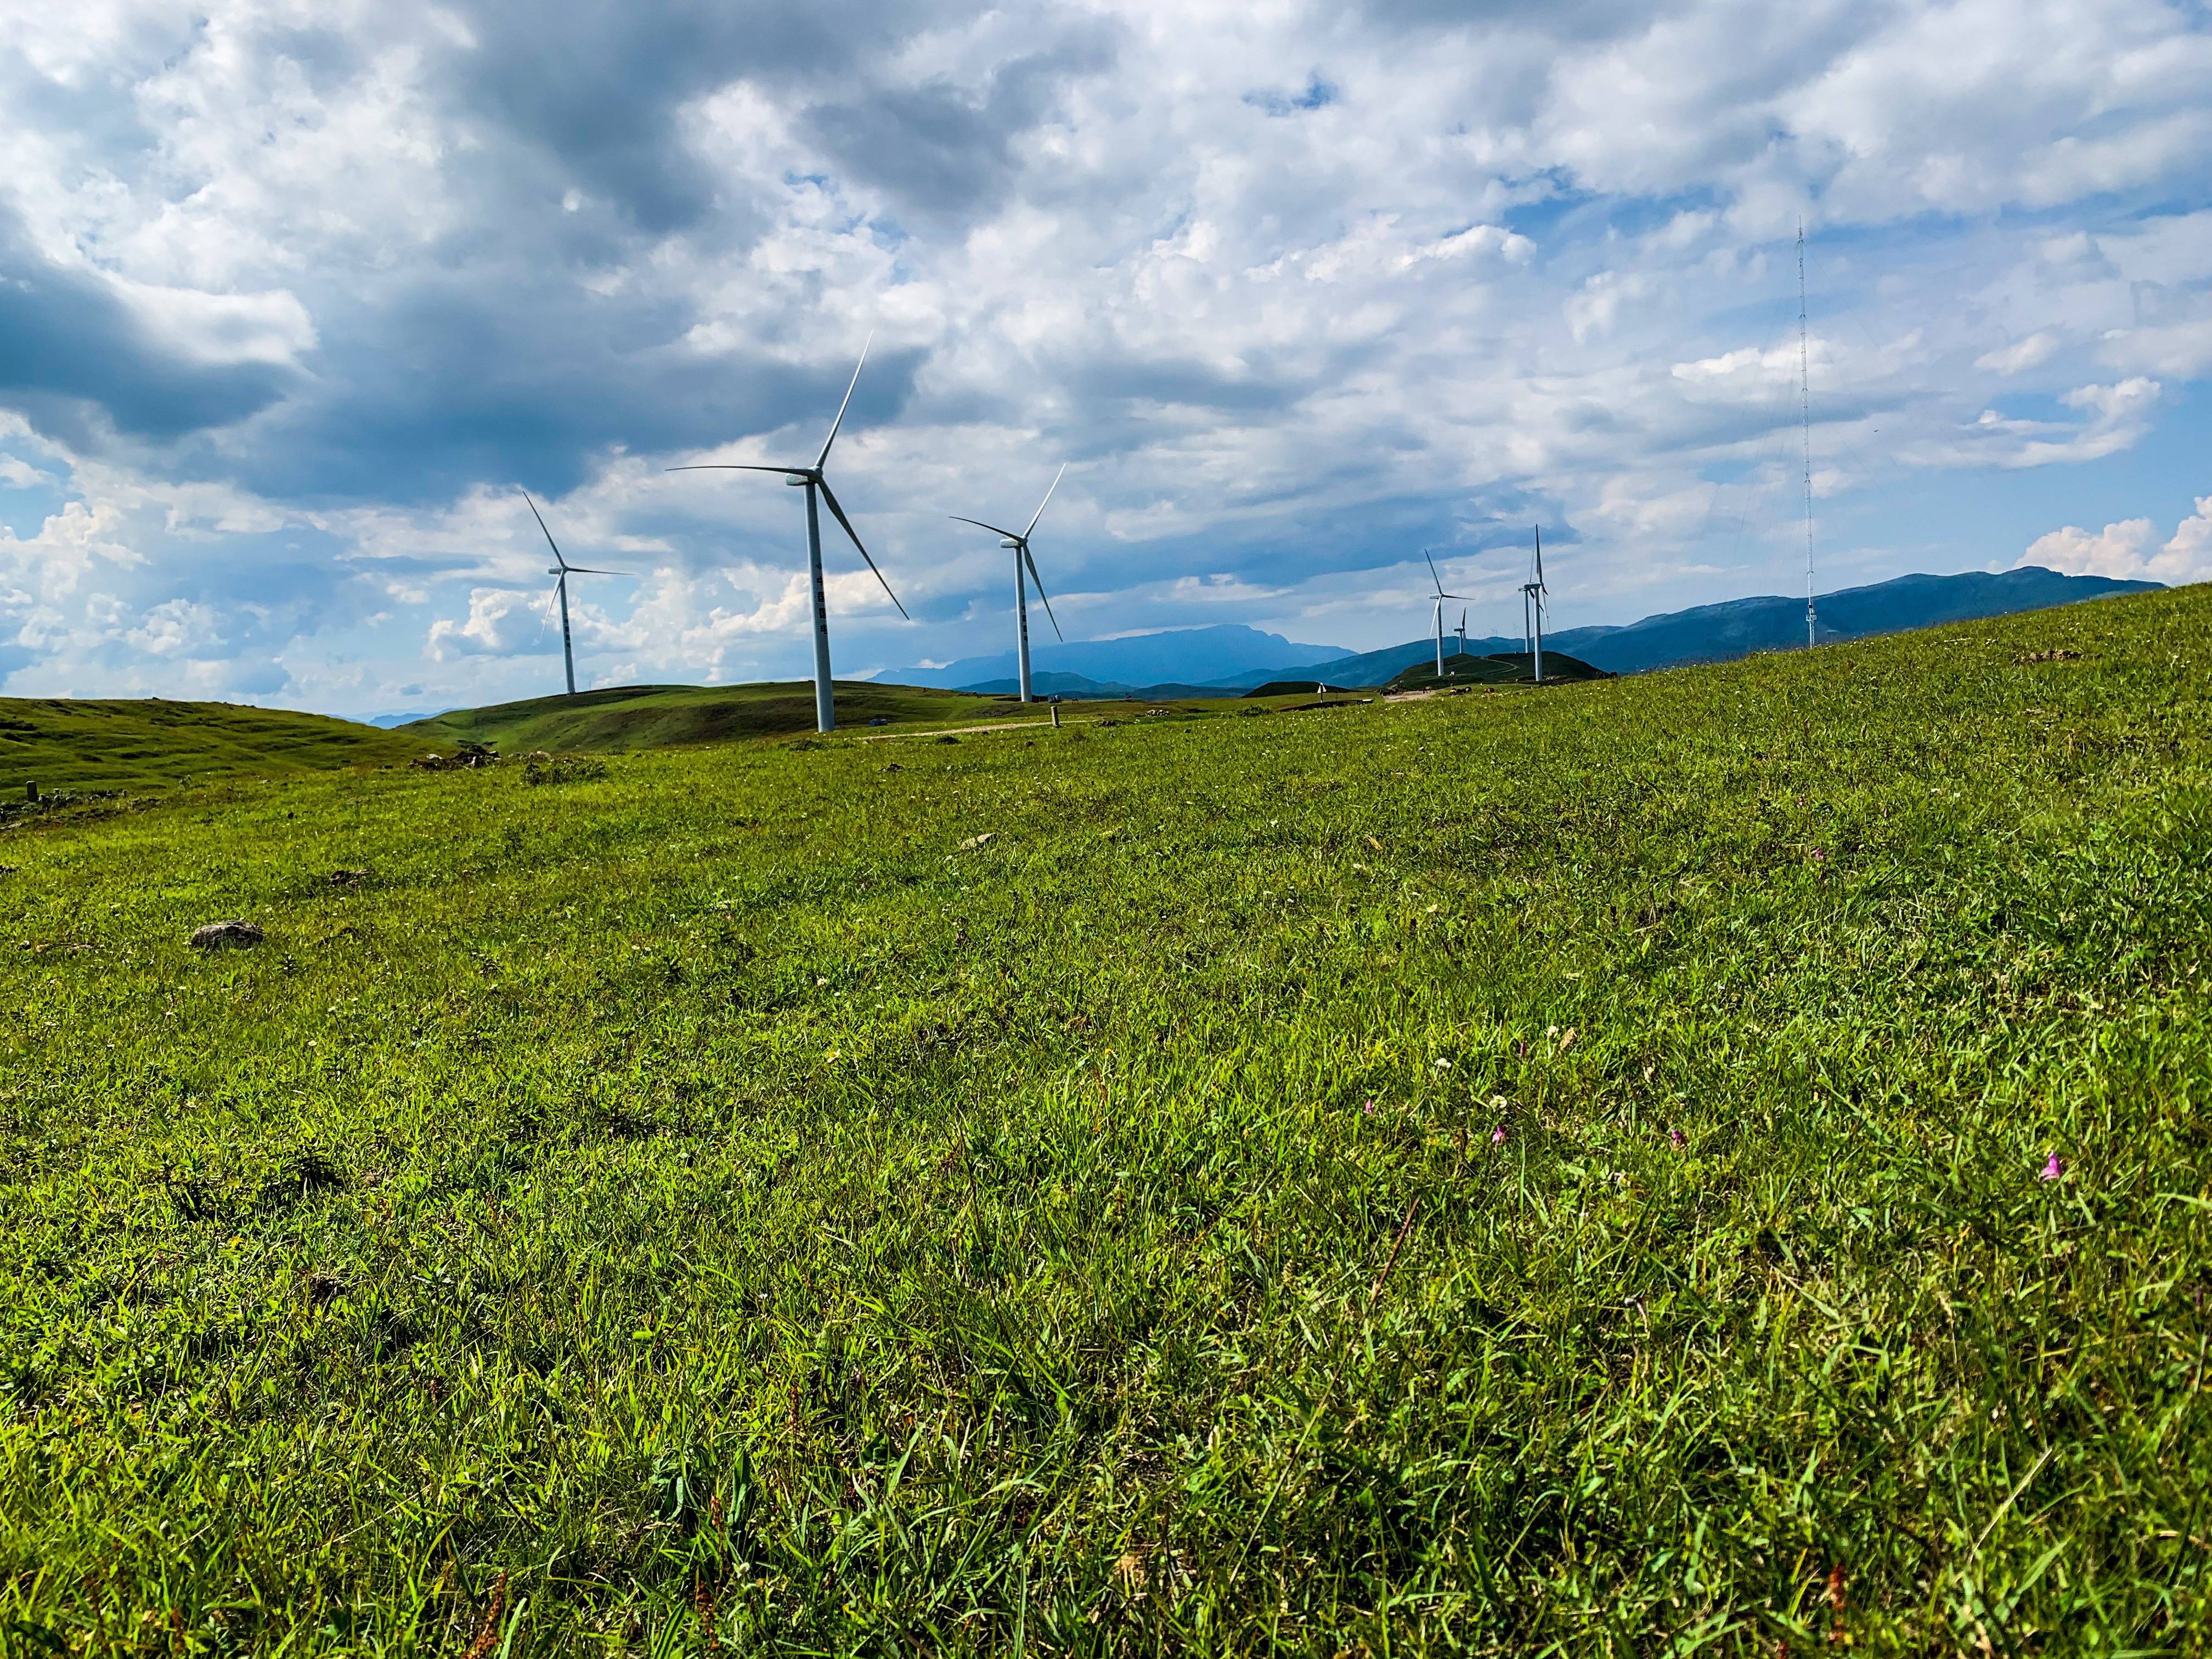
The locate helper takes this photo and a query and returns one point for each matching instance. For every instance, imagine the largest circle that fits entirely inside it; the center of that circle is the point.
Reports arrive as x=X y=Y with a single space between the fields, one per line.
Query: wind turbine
x=1532 y=610
x=563 y=569
x=1462 y=631
x=1018 y=541
x=1441 y=597
x=811 y=479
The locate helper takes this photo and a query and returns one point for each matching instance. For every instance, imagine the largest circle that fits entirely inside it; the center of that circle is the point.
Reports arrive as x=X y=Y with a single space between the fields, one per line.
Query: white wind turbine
x=1462 y=631
x=562 y=569
x=811 y=479
x=1532 y=610
x=1441 y=597
x=1018 y=541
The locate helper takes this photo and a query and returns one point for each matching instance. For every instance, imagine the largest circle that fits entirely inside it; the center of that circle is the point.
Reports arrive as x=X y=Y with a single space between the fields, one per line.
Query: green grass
x=724 y=1201
x=67 y=744
x=1464 y=668
x=635 y=717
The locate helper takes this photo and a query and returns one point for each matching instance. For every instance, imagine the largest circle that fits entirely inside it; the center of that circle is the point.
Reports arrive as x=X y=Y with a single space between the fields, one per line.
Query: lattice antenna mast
x=1805 y=403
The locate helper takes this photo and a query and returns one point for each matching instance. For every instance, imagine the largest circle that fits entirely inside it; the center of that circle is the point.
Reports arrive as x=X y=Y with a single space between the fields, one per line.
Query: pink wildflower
x=1497 y=1136
x=1675 y=1135
x=2054 y=1169
x=1371 y=1109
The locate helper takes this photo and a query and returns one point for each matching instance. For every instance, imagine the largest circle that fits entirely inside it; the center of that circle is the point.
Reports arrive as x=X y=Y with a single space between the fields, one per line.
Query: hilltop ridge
x=1741 y=627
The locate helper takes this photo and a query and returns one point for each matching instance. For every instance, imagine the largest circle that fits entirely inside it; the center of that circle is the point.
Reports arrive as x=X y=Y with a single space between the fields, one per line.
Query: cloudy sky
x=295 y=298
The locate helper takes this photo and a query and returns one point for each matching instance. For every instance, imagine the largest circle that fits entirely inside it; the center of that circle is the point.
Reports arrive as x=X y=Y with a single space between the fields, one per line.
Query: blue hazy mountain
x=1737 y=628
x=1189 y=655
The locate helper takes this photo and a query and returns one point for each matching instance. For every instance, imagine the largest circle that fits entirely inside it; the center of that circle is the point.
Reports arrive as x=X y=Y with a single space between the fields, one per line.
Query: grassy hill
x=65 y=744
x=1711 y=1161
x=1739 y=628
x=635 y=717
x=1496 y=668
x=70 y=744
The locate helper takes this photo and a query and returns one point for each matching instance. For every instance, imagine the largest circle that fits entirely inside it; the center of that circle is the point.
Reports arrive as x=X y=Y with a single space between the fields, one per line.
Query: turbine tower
x=1018 y=541
x=1532 y=610
x=562 y=569
x=1462 y=631
x=811 y=479
x=1441 y=597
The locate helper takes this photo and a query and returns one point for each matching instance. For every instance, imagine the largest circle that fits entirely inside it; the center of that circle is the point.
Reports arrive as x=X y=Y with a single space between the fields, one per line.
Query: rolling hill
x=98 y=744
x=634 y=717
x=1498 y=668
x=1739 y=627
x=131 y=743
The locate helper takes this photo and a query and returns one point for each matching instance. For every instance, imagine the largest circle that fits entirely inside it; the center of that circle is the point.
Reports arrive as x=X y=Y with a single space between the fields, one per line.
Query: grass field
x=135 y=746
x=630 y=718
x=68 y=743
x=1709 y=1162
x=635 y=717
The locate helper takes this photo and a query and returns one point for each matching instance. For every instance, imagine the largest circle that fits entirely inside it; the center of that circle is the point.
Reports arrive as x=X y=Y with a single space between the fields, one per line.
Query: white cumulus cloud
x=2131 y=549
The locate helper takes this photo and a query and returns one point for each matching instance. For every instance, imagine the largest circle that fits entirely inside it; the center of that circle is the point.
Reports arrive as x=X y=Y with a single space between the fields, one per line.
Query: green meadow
x=69 y=745
x=635 y=717
x=1707 y=1162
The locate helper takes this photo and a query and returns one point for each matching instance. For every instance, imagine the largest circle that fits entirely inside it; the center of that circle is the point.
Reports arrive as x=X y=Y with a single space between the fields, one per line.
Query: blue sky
x=295 y=298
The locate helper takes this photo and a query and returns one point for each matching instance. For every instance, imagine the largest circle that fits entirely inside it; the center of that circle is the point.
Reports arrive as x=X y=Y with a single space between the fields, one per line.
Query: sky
x=297 y=299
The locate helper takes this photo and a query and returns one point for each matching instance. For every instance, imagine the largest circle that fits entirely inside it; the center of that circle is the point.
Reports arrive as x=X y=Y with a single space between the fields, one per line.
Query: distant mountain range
x=1185 y=661
x=1192 y=655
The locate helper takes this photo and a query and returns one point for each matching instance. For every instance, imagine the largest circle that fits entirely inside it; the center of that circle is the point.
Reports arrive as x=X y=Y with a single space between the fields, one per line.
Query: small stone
x=226 y=936
x=975 y=842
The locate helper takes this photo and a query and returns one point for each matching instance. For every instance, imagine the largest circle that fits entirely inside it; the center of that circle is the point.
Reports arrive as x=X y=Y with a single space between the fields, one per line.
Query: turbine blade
x=1042 y=594
x=839 y=514
x=980 y=525
x=591 y=571
x=737 y=466
x=821 y=460
x=1433 y=577
x=1049 y=488
x=540 y=517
